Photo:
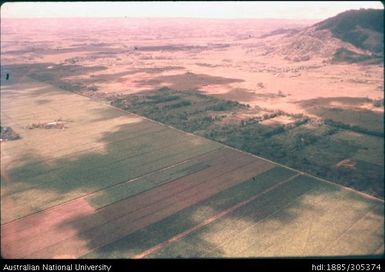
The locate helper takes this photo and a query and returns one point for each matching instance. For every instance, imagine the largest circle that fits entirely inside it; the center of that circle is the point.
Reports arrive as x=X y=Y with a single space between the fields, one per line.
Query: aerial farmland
x=129 y=145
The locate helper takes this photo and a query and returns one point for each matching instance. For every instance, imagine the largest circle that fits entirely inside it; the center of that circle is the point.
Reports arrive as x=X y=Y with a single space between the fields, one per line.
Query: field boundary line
x=271 y=214
x=116 y=184
x=347 y=188
x=279 y=210
x=153 y=212
x=312 y=176
x=176 y=194
x=165 y=183
x=208 y=221
x=310 y=191
x=110 y=165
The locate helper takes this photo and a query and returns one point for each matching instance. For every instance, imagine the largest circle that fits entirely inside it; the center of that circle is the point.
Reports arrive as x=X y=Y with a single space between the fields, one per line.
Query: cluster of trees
x=179 y=104
x=354 y=128
x=345 y=55
x=223 y=106
x=155 y=99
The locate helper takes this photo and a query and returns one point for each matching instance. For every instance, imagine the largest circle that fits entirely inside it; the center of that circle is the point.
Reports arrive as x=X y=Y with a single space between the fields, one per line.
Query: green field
x=263 y=228
x=112 y=184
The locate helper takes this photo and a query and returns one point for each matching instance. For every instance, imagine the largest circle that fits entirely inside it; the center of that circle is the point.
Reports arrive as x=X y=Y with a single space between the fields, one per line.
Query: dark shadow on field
x=16 y=72
x=87 y=170
x=72 y=172
x=239 y=94
x=171 y=48
x=56 y=74
x=195 y=245
x=95 y=47
x=188 y=81
x=149 y=70
x=43 y=101
x=49 y=70
x=53 y=74
x=327 y=101
x=27 y=92
x=104 y=115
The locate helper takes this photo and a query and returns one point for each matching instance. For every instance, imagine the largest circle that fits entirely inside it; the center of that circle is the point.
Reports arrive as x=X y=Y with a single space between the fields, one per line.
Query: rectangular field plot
x=300 y=218
x=111 y=184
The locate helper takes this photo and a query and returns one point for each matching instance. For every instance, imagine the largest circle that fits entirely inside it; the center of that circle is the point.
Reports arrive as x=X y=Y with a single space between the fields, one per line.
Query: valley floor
x=87 y=180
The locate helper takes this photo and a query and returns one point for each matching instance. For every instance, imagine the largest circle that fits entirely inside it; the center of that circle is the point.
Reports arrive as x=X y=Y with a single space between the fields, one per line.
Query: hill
x=357 y=32
x=363 y=28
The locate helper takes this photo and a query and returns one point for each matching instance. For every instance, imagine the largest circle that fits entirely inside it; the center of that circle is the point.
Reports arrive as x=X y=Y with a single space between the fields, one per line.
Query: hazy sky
x=199 y=9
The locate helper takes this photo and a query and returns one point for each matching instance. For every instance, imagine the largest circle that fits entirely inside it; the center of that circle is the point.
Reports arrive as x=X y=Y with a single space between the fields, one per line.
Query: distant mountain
x=351 y=36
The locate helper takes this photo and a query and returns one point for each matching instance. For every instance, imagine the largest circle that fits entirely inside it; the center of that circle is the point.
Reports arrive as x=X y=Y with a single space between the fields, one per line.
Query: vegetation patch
x=189 y=111
x=362 y=121
x=8 y=134
x=345 y=55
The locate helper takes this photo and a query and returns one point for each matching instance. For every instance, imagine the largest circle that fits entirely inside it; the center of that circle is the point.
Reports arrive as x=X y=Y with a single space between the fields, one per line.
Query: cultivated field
x=87 y=180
